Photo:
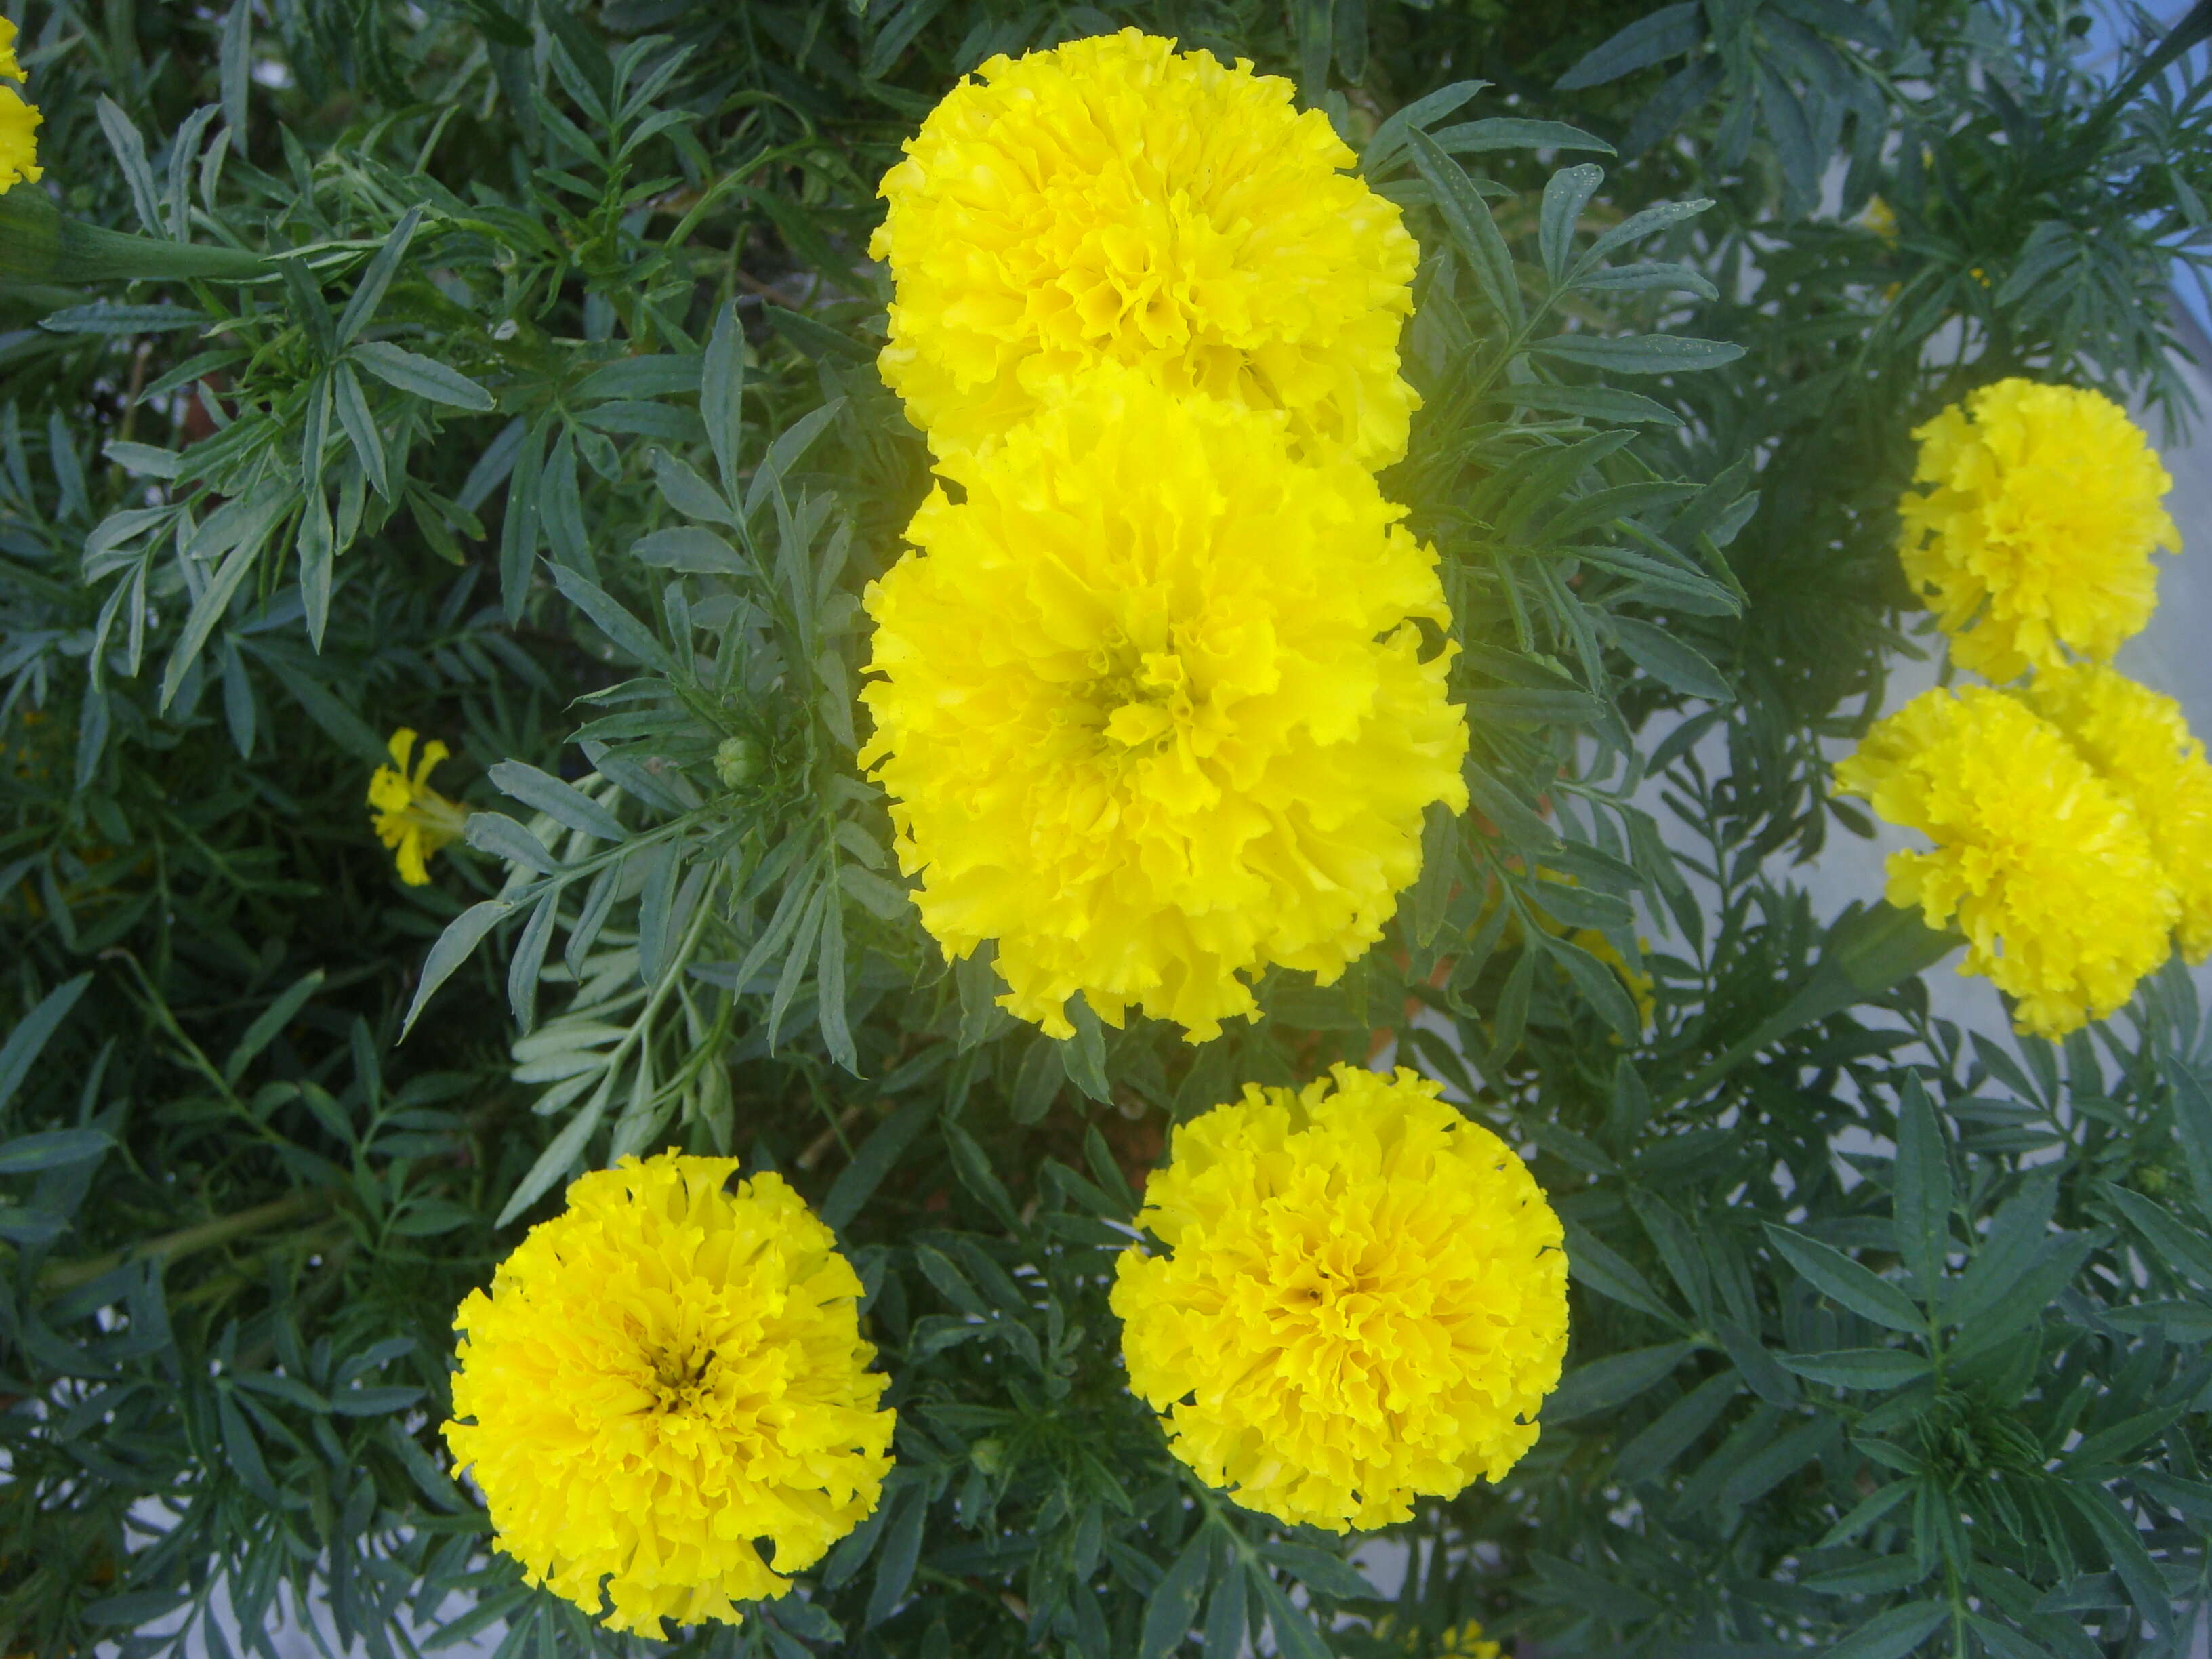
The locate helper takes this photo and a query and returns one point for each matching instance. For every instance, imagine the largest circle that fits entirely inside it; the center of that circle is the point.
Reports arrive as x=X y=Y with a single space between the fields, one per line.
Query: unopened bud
x=737 y=762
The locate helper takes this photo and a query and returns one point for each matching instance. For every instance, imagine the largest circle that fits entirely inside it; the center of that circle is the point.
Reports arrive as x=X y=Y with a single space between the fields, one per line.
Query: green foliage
x=505 y=370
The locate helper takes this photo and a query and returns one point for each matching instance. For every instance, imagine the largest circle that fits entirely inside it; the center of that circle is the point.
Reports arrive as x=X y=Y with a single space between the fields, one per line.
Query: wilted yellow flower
x=2037 y=535
x=662 y=1376
x=2043 y=865
x=411 y=817
x=2140 y=743
x=1155 y=710
x=19 y=121
x=1364 y=1299
x=1115 y=200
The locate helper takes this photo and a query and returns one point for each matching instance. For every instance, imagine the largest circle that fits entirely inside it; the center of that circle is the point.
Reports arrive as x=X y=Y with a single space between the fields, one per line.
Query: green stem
x=185 y=1241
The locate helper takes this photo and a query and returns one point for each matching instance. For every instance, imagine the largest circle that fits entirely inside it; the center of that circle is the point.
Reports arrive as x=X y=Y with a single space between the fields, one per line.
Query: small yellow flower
x=411 y=817
x=1880 y=218
x=1155 y=712
x=1363 y=1300
x=2045 y=867
x=19 y=121
x=1112 y=200
x=2037 y=537
x=666 y=1380
x=2140 y=743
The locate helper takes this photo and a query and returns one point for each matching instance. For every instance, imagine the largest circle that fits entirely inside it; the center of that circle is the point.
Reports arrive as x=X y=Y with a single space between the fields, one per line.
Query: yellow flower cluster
x=19 y=121
x=411 y=817
x=2072 y=817
x=1115 y=200
x=2037 y=534
x=2043 y=865
x=1363 y=1299
x=664 y=1376
x=1154 y=711
x=1157 y=712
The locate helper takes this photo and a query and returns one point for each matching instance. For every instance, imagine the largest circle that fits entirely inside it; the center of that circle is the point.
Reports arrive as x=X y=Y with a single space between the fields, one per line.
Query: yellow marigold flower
x=1155 y=711
x=19 y=121
x=2045 y=867
x=2038 y=533
x=1463 y=1641
x=1112 y=200
x=411 y=817
x=664 y=1375
x=1880 y=218
x=1364 y=1299
x=2140 y=743
x=1466 y=1642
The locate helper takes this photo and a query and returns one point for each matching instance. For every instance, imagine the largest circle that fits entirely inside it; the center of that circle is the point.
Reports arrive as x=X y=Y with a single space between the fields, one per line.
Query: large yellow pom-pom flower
x=662 y=1376
x=2140 y=743
x=1115 y=200
x=2042 y=865
x=2038 y=533
x=1156 y=711
x=1365 y=1300
x=19 y=121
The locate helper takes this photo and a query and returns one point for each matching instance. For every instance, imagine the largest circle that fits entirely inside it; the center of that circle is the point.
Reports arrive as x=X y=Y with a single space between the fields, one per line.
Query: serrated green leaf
x=422 y=377
x=1836 y=1276
x=559 y=800
x=1859 y=1368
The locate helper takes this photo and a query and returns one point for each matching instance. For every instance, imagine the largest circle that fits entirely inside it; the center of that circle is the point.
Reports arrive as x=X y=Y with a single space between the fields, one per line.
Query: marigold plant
x=1363 y=1300
x=1155 y=708
x=1417 y=522
x=1113 y=200
x=663 y=1376
x=2045 y=867
x=2037 y=535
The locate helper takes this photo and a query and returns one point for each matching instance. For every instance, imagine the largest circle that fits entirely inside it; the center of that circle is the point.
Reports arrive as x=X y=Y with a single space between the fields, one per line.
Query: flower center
x=679 y=1379
x=439 y=820
x=1141 y=698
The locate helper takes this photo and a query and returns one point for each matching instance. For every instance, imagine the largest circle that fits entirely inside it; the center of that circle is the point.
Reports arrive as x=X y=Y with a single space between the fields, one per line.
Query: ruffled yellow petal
x=19 y=144
x=1363 y=1300
x=10 y=70
x=663 y=1376
x=1155 y=712
x=2044 y=866
x=2037 y=535
x=2140 y=743
x=1115 y=200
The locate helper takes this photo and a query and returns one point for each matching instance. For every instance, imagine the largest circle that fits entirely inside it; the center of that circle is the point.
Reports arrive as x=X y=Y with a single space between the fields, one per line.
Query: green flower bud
x=737 y=762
